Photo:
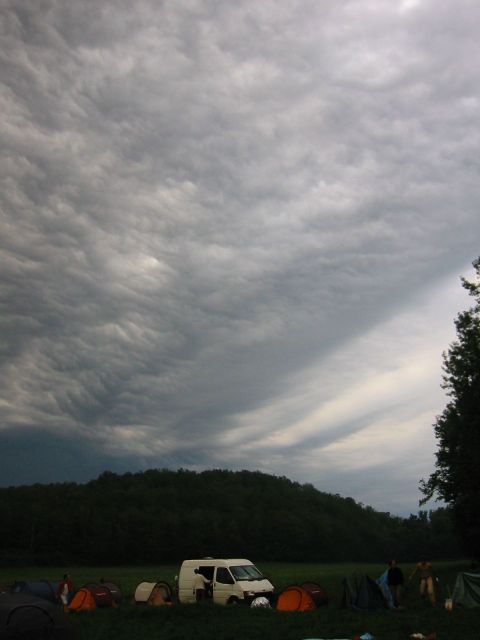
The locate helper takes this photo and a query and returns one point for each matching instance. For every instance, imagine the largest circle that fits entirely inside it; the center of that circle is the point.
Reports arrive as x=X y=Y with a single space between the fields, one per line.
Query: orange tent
x=295 y=598
x=305 y=597
x=83 y=600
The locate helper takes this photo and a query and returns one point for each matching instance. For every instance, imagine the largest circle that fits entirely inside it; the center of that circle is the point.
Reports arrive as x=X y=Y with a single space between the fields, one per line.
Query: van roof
x=227 y=560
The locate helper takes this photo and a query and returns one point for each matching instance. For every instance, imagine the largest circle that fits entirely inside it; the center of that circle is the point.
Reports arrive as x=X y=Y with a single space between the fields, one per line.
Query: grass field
x=137 y=622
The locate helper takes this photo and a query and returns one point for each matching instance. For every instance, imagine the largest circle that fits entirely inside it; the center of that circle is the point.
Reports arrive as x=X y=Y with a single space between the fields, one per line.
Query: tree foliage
x=456 y=478
x=161 y=516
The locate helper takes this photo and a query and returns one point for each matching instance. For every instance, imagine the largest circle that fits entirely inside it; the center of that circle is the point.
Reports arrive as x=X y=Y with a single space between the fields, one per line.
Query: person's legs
x=398 y=595
x=64 y=601
x=431 y=590
x=392 y=591
x=423 y=587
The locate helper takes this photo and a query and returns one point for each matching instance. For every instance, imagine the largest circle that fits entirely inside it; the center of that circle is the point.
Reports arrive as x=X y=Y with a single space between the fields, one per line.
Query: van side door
x=224 y=586
x=208 y=571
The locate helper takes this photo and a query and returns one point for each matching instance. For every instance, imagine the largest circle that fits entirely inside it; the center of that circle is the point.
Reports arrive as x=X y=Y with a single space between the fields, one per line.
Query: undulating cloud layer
x=232 y=234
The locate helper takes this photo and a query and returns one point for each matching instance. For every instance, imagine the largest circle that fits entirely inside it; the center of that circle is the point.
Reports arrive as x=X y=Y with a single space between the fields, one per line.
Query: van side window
x=224 y=576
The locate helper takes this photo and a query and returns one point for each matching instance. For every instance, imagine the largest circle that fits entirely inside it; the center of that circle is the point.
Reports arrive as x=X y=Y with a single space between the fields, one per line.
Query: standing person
x=395 y=582
x=426 y=575
x=199 y=585
x=65 y=590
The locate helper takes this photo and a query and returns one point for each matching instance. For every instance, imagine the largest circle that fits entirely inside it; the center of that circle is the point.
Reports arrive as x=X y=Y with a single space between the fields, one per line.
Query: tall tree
x=456 y=478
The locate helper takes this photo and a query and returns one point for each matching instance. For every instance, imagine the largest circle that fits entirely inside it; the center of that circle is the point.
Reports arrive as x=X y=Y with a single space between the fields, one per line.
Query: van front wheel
x=234 y=601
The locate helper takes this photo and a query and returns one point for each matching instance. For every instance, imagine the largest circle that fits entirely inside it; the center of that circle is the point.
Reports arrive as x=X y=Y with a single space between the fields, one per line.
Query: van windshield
x=246 y=572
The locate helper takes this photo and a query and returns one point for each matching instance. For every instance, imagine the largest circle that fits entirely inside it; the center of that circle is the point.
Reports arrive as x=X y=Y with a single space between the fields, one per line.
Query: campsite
x=136 y=620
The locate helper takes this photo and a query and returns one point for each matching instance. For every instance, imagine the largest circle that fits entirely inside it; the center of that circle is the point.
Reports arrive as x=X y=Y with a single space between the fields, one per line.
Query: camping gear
x=115 y=591
x=318 y=593
x=159 y=597
x=382 y=582
x=25 y=616
x=305 y=597
x=102 y=596
x=466 y=592
x=40 y=589
x=105 y=594
x=295 y=598
x=153 y=593
x=83 y=600
x=92 y=595
x=261 y=601
x=362 y=592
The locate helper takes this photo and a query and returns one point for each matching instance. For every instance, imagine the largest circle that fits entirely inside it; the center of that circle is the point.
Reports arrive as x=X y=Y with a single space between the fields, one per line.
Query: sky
x=232 y=236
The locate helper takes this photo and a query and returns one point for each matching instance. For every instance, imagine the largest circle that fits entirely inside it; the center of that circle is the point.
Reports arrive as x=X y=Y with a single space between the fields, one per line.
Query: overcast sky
x=232 y=235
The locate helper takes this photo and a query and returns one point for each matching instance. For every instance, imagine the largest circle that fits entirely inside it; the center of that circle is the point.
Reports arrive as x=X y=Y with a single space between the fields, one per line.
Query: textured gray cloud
x=218 y=219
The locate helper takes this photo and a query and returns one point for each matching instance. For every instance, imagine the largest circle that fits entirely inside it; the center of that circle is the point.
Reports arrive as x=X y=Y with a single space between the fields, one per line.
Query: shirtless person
x=426 y=574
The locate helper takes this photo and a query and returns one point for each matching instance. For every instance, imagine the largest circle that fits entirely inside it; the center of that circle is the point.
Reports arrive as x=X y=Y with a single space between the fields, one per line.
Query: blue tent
x=382 y=582
x=41 y=589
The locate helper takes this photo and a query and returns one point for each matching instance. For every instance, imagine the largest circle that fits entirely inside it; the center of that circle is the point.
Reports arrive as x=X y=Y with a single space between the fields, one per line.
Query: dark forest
x=162 y=516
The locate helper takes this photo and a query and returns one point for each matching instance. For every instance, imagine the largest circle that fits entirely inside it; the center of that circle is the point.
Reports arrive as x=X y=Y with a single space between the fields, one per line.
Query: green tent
x=466 y=592
x=362 y=592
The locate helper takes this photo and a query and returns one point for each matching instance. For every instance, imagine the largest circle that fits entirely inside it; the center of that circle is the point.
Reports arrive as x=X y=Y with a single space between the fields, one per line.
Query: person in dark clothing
x=395 y=581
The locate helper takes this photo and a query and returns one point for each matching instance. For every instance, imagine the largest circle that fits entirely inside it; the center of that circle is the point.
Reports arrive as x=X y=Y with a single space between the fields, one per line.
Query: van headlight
x=248 y=594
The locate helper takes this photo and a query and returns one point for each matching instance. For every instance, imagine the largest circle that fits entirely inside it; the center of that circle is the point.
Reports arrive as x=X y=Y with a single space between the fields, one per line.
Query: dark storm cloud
x=203 y=202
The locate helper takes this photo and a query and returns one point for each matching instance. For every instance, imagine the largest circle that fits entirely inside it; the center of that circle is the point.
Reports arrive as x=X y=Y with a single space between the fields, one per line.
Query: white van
x=231 y=581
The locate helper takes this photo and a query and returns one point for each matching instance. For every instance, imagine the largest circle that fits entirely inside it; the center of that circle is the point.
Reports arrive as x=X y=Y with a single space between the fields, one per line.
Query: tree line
x=456 y=478
x=163 y=516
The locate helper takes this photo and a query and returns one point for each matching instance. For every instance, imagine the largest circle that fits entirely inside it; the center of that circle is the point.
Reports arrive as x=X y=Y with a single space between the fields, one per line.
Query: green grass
x=137 y=622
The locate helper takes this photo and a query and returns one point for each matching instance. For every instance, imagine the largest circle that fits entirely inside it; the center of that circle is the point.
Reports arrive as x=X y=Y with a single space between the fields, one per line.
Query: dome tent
x=92 y=595
x=83 y=600
x=25 y=616
x=40 y=589
x=317 y=593
x=153 y=593
x=362 y=592
x=305 y=597
x=466 y=592
x=115 y=591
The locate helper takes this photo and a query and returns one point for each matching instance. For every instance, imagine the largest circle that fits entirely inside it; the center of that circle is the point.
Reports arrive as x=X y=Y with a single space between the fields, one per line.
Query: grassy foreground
x=206 y=621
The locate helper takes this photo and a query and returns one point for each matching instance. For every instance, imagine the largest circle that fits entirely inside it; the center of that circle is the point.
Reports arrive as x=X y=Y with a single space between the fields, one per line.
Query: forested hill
x=161 y=516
